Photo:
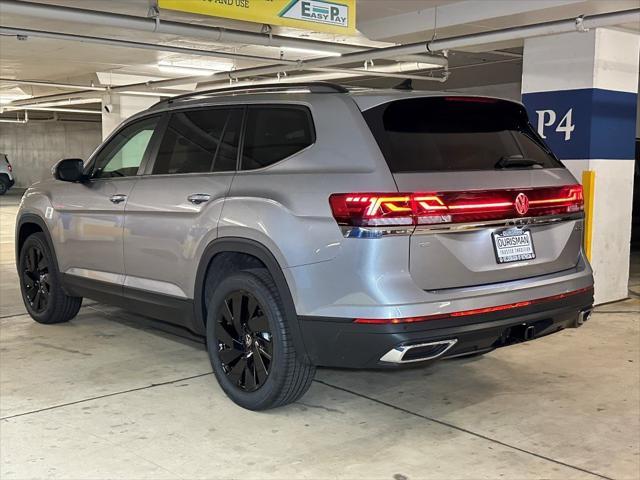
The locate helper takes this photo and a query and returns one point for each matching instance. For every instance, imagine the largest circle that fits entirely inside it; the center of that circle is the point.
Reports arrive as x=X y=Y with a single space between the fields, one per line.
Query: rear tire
x=249 y=343
x=42 y=292
x=4 y=185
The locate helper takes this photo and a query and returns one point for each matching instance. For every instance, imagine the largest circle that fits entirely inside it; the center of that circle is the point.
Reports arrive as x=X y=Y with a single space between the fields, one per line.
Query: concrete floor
x=108 y=395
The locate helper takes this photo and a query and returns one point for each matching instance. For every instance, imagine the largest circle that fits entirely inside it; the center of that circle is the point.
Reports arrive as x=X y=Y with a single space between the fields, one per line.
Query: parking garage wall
x=34 y=147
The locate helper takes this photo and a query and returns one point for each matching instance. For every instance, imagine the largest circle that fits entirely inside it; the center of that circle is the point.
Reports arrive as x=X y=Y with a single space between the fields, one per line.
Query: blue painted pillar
x=580 y=90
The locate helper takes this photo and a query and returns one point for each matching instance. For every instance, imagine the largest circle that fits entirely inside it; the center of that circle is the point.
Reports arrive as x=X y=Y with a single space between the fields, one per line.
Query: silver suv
x=307 y=225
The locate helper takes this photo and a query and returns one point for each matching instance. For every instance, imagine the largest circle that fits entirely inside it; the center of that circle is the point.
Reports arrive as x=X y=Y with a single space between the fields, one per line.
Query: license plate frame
x=520 y=251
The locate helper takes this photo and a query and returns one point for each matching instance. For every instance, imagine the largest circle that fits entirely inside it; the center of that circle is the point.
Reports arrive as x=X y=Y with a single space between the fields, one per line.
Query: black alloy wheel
x=35 y=278
x=250 y=343
x=244 y=341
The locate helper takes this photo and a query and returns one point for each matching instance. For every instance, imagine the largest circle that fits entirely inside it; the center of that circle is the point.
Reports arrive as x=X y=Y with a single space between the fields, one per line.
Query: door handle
x=198 y=198
x=118 y=198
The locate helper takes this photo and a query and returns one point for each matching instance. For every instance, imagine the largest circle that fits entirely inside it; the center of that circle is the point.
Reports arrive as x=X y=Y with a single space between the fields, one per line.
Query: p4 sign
x=336 y=16
x=547 y=118
x=585 y=123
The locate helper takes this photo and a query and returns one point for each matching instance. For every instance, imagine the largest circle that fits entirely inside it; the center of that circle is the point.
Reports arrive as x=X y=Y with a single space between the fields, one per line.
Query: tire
x=4 y=185
x=42 y=292
x=247 y=336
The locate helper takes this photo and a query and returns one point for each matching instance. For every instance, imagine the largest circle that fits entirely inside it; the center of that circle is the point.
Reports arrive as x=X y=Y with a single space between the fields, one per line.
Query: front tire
x=42 y=292
x=250 y=345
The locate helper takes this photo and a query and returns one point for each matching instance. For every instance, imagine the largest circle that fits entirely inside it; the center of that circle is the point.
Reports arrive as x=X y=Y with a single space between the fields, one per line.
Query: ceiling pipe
x=58 y=103
x=40 y=83
x=377 y=72
x=313 y=77
x=156 y=47
x=580 y=23
x=52 y=109
x=85 y=88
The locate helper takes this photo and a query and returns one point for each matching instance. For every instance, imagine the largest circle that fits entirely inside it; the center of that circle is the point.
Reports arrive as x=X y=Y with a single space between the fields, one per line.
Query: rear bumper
x=338 y=342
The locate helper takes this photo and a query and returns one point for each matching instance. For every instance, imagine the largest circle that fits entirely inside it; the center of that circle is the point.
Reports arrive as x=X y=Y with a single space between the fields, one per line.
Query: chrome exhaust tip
x=418 y=352
x=583 y=316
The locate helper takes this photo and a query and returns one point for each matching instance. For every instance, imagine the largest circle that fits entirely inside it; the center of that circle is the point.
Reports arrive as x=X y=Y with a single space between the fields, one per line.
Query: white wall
x=511 y=91
x=34 y=147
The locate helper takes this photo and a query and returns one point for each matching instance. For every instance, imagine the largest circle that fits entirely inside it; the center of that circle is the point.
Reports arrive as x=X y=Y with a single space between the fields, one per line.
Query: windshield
x=456 y=133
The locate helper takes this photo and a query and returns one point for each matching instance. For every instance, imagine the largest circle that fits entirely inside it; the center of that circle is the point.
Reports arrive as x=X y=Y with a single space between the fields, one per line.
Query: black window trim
x=295 y=106
x=148 y=170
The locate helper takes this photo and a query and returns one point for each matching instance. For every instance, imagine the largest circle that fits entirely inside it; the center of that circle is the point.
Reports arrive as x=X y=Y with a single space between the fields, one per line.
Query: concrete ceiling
x=382 y=22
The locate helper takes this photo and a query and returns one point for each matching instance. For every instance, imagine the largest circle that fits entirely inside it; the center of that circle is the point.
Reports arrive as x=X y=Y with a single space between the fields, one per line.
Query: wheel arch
x=251 y=248
x=27 y=225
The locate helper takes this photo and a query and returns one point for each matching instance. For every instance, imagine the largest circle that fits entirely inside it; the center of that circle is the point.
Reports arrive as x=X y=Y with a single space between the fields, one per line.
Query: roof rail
x=312 y=87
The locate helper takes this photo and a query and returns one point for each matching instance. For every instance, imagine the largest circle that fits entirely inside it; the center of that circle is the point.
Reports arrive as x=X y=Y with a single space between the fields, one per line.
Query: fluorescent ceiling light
x=200 y=68
x=324 y=53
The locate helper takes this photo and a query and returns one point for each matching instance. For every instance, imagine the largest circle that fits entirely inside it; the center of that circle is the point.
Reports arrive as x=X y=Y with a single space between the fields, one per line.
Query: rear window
x=455 y=133
x=274 y=133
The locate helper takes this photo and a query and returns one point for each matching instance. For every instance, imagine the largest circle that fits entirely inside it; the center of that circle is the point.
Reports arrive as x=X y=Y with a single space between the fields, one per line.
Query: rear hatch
x=492 y=203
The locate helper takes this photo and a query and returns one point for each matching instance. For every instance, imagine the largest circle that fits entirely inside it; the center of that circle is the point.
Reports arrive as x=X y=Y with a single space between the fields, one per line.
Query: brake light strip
x=475 y=311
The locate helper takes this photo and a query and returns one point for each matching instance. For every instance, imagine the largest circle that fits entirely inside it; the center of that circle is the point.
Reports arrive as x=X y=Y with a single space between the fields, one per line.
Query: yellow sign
x=336 y=16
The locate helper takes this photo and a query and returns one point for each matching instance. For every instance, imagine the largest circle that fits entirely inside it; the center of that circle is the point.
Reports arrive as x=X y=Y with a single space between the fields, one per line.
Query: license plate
x=513 y=245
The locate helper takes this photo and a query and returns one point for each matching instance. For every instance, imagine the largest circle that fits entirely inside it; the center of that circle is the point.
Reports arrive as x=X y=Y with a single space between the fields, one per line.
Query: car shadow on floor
x=422 y=383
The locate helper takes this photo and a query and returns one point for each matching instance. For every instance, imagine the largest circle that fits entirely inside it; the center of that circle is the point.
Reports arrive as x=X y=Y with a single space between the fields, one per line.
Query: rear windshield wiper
x=517 y=161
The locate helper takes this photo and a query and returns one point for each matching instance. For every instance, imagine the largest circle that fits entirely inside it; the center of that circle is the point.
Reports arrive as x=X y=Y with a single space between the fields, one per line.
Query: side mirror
x=69 y=170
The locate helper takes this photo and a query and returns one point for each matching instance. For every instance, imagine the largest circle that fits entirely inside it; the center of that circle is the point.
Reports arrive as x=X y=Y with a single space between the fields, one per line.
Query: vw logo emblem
x=522 y=204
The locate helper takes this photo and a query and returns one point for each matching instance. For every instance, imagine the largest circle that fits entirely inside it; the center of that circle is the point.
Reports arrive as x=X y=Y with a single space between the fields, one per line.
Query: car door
x=90 y=215
x=173 y=210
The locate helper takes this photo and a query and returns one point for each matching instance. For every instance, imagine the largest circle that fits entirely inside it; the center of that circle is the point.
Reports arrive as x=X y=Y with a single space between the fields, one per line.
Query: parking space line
x=464 y=430
x=113 y=394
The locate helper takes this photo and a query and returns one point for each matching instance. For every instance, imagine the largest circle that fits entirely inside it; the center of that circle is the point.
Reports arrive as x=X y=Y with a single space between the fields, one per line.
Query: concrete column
x=580 y=90
x=116 y=108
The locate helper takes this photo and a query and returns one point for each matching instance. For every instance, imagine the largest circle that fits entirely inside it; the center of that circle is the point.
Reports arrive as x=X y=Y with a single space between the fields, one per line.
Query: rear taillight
x=403 y=209
x=9 y=167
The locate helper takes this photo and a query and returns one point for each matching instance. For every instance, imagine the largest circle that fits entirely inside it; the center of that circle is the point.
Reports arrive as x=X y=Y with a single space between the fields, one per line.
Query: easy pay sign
x=337 y=16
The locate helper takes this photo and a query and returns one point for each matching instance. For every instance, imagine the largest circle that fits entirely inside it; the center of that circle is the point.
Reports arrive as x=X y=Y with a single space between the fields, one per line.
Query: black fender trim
x=258 y=250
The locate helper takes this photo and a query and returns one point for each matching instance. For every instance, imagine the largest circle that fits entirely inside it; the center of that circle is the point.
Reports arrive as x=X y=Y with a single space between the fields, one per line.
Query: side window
x=122 y=156
x=202 y=140
x=275 y=133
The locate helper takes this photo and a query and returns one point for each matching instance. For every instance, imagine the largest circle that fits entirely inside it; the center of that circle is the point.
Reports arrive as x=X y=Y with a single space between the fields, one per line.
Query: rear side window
x=275 y=132
x=201 y=140
x=455 y=133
